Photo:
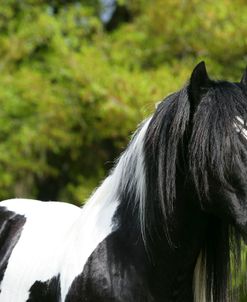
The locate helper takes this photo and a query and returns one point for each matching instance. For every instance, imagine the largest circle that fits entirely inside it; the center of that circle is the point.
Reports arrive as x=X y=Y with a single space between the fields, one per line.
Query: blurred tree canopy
x=76 y=77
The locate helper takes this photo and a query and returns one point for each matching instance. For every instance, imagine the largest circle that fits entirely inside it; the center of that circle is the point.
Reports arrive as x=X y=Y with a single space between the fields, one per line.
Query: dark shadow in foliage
x=121 y=14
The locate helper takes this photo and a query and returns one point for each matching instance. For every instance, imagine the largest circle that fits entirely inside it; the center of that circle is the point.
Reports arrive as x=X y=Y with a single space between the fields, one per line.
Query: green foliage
x=68 y=86
x=72 y=91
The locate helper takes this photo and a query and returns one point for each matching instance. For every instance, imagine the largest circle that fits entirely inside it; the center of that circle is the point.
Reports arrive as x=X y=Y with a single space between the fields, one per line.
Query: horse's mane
x=166 y=131
x=216 y=146
x=211 y=133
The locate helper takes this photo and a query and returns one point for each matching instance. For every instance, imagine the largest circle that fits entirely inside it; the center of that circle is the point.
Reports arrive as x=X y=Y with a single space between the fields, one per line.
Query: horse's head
x=195 y=153
x=202 y=130
x=218 y=146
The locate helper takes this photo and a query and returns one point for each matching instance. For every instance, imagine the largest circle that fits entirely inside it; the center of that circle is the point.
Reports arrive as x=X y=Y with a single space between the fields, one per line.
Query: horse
x=167 y=224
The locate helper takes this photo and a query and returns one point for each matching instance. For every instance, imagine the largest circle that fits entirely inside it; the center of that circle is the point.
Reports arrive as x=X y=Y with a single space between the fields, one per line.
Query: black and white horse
x=161 y=225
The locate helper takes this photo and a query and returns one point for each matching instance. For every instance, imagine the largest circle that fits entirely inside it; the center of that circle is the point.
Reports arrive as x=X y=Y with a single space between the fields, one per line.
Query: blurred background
x=76 y=77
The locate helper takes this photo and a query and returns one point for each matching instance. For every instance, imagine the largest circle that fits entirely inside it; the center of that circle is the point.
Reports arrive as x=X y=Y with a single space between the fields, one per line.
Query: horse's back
x=31 y=237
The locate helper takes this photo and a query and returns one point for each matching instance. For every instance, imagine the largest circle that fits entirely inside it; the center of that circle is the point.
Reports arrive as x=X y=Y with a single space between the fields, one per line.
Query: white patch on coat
x=241 y=126
x=92 y=227
x=36 y=254
x=58 y=238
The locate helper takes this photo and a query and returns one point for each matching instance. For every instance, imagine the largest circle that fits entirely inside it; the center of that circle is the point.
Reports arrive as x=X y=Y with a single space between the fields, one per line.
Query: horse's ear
x=199 y=83
x=244 y=78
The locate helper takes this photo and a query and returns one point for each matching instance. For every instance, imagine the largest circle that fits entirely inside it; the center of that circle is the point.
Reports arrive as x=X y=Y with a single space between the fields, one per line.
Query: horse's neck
x=126 y=179
x=169 y=271
x=114 y=208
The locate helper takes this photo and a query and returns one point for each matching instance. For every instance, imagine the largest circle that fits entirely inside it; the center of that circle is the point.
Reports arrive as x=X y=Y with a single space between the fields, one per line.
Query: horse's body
x=166 y=206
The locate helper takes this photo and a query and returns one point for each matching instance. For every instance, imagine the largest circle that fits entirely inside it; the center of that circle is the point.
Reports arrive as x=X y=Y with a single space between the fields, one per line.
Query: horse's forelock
x=215 y=146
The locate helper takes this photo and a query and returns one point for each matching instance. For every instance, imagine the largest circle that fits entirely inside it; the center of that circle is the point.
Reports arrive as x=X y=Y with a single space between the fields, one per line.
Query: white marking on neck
x=241 y=127
x=95 y=223
x=93 y=226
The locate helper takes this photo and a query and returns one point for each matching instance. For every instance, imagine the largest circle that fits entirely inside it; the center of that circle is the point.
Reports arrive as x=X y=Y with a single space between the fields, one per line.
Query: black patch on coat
x=113 y=273
x=11 y=225
x=48 y=291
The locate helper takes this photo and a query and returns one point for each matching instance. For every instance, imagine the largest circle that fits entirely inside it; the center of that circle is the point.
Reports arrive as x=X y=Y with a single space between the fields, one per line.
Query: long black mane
x=216 y=146
x=211 y=133
x=165 y=133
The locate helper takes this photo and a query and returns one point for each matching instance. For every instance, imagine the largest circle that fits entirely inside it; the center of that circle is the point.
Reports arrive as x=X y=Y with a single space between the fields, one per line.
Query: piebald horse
x=161 y=226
